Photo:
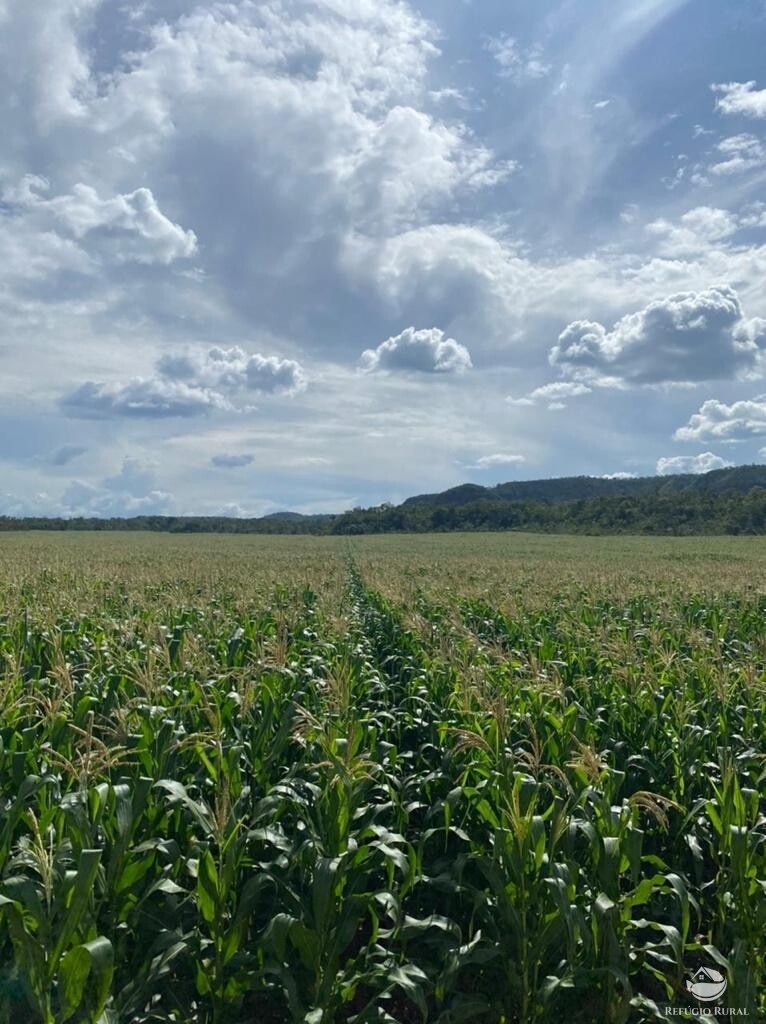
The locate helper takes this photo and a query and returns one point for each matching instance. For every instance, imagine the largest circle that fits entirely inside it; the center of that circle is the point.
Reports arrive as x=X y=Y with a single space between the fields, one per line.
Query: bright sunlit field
x=491 y=778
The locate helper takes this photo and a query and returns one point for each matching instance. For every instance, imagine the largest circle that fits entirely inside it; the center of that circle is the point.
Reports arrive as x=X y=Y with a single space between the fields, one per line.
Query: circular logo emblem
x=707 y=985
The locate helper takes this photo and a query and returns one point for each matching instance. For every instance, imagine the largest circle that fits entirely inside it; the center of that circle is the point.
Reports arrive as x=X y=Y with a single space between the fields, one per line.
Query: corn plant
x=357 y=784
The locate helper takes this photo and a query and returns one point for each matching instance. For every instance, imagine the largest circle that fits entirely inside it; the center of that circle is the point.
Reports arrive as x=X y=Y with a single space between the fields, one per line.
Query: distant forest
x=731 y=501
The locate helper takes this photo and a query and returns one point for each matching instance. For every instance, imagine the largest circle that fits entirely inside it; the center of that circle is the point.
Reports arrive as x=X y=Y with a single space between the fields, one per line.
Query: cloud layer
x=306 y=179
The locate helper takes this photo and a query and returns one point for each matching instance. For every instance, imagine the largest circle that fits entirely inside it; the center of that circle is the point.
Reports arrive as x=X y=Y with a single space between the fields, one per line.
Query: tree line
x=680 y=514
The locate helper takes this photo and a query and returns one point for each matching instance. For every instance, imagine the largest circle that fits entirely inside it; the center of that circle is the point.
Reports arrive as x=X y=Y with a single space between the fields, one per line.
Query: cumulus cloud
x=314 y=115
x=410 y=161
x=135 y=477
x=498 y=459
x=740 y=98
x=703 y=463
x=424 y=351
x=472 y=279
x=447 y=269
x=188 y=384
x=45 y=74
x=234 y=368
x=740 y=153
x=267 y=373
x=142 y=398
x=620 y=475
x=127 y=228
x=682 y=339
x=226 y=461
x=213 y=367
x=520 y=64
x=694 y=232
x=132 y=491
x=553 y=393
x=717 y=420
x=16 y=505
x=275 y=130
x=82 y=499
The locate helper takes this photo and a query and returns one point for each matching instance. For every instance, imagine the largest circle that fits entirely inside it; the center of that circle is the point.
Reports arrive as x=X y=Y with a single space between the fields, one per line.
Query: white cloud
x=424 y=351
x=620 y=475
x=409 y=161
x=695 y=232
x=31 y=256
x=329 y=94
x=682 y=170
x=471 y=278
x=275 y=129
x=131 y=492
x=629 y=213
x=125 y=228
x=716 y=420
x=227 y=461
x=740 y=98
x=188 y=384
x=459 y=272
x=135 y=477
x=520 y=64
x=142 y=398
x=685 y=338
x=753 y=216
x=232 y=368
x=310 y=460
x=270 y=374
x=552 y=393
x=16 y=505
x=703 y=463
x=45 y=75
x=498 y=459
x=213 y=367
x=740 y=153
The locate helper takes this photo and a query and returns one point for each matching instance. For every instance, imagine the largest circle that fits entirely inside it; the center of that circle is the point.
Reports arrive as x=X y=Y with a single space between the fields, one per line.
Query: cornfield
x=297 y=780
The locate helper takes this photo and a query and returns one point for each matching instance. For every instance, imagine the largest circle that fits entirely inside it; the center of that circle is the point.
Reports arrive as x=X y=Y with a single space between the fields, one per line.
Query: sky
x=315 y=254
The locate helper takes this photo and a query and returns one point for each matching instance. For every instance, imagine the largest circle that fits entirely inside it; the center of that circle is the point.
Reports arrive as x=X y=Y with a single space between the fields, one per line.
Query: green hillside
x=740 y=479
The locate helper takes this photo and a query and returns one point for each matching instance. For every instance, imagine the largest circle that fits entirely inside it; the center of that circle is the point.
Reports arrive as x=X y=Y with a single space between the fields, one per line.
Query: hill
x=739 y=479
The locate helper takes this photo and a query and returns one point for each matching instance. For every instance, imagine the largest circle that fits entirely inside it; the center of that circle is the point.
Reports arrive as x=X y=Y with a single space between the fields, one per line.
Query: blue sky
x=313 y=254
